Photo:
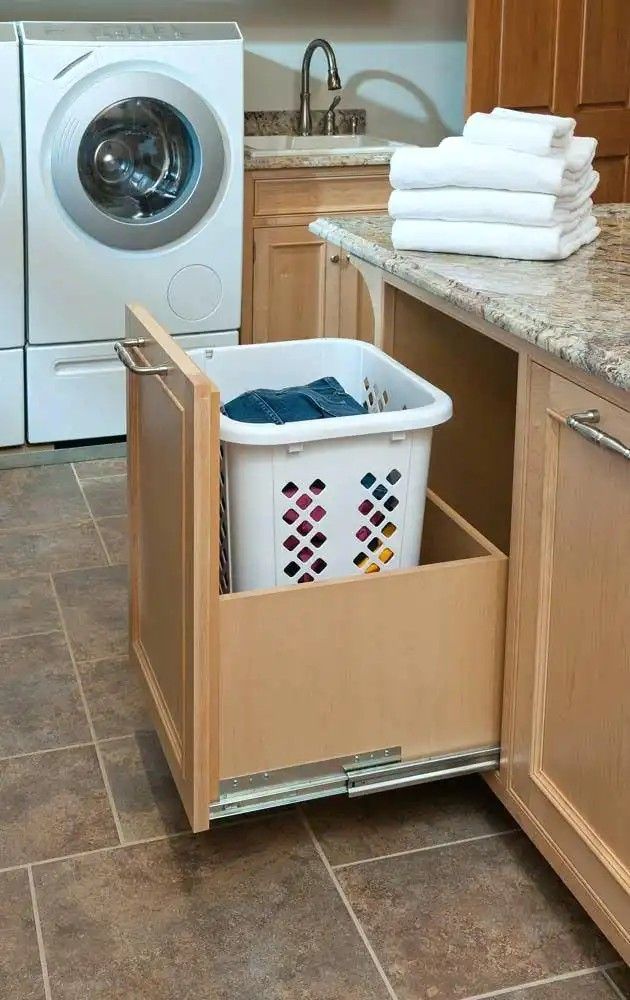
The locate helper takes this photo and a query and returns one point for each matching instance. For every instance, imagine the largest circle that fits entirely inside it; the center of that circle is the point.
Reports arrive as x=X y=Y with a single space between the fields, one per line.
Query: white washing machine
x=12 y=247
x=134 y=182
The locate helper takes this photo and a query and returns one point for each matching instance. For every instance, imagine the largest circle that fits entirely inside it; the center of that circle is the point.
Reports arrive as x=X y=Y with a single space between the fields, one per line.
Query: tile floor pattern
x=422 y=894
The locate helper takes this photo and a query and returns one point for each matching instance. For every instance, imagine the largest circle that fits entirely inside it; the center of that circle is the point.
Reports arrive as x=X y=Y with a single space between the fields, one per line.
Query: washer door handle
x=121 y=348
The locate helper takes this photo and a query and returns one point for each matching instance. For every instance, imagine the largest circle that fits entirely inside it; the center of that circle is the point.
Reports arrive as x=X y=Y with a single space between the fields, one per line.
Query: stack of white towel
x=514 y=185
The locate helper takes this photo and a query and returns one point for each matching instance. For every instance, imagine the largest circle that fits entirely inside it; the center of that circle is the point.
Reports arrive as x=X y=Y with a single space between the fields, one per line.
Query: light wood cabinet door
x=569 y=748
x=295 y=285
x=173 y=456
x=356 y=313
x=570 y=57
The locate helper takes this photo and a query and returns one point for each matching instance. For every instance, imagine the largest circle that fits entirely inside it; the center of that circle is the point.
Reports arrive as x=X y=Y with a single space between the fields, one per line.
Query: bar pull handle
x=583 y=424
x=122 y=350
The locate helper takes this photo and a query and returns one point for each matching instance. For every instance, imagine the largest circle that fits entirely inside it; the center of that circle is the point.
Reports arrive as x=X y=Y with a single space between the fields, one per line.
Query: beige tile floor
x=423 y=894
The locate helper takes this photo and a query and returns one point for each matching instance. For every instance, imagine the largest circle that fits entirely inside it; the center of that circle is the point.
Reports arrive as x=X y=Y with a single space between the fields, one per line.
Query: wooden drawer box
x=255 y=682
x=337 y=191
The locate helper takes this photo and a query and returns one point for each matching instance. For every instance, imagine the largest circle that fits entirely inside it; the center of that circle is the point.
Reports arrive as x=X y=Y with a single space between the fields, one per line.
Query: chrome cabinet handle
x=334 y=258
x=583 y=424
x=121 y=350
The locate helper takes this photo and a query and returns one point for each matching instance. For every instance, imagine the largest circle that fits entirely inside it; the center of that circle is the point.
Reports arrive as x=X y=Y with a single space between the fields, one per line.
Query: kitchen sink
x=262 y=145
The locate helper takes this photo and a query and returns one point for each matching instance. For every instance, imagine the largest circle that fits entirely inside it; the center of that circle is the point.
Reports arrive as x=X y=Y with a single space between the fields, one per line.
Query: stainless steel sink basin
x=263 y=145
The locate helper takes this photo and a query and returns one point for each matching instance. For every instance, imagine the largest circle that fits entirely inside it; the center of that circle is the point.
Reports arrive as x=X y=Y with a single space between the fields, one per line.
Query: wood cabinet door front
x=569 y=57
x=173 y=456
x=290 y=300
x=570 y=745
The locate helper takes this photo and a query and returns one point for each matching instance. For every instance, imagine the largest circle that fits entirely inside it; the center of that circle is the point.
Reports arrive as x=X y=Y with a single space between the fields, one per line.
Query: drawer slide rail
x=360 y=774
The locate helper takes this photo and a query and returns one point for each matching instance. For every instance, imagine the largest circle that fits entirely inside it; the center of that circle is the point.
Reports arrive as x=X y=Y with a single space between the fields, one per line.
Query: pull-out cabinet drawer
x=297 y=678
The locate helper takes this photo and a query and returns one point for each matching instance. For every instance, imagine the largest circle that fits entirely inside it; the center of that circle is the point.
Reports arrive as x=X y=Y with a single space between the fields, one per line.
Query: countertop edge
x=290 y=159
x=593 y=359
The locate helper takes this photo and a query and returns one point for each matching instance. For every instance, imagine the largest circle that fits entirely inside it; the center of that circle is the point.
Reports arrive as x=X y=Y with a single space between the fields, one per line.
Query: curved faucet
x=334 y=83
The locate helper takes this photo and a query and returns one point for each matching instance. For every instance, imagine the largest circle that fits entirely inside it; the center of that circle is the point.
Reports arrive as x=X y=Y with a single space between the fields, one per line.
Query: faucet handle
x=333 y=104
x=330 y=125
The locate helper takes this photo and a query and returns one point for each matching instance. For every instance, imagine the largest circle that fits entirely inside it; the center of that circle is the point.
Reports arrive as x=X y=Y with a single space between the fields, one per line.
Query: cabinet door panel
x=570 y=753
x=173 y=456
x=356 y=313
x=569 y=57
x=289 y=300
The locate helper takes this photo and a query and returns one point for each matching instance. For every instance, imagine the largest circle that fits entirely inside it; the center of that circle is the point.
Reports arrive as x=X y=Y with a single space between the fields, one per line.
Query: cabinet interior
x=472 y=455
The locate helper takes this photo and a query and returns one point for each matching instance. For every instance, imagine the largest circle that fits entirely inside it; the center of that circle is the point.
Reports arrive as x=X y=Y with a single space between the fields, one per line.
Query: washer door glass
x=138 y=159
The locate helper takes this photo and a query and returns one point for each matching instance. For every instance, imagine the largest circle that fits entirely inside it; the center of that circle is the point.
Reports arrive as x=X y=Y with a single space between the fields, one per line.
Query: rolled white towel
x=563 y=127
x=520 y=208
x=527 y=136
x=457 y=163
x=493 y=239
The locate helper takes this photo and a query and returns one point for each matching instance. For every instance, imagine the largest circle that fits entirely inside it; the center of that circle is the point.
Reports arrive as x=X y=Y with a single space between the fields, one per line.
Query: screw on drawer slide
x=360 y=774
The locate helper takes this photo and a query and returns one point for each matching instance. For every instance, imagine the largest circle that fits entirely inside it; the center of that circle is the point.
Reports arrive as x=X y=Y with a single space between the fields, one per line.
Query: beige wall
x=403 y=60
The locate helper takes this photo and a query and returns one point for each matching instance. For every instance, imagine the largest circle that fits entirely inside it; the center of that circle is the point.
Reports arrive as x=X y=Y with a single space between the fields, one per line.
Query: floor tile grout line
x=32 y=635
x=427 y=847
x=611 y=982
x=103 y=659
x=91 y=513
x=86 y=708
x=47 y=526
x=562 y=977
x=344 y=899
x=98 y=479
x=40 y=937
x=46 y=750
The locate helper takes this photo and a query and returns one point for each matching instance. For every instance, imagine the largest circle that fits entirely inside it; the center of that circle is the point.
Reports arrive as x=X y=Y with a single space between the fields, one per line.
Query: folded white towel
x=521 y=208
x=563 y=127
x=458 y=163
x=528 y=136
x=578 y=153
x=493 y=239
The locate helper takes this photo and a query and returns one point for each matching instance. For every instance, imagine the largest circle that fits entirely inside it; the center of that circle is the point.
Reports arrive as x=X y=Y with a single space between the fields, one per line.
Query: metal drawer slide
x=361 y=774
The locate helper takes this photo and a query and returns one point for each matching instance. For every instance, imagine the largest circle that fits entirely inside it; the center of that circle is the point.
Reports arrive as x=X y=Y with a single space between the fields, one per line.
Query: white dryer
x=134 y=180
x=12 y=246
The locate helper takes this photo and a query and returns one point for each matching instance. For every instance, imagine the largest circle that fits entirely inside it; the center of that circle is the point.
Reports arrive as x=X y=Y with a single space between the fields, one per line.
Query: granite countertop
x=283 y=159
x=577 y=309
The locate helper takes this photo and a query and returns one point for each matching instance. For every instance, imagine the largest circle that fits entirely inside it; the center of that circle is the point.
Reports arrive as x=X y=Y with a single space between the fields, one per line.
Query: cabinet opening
x=472 y=456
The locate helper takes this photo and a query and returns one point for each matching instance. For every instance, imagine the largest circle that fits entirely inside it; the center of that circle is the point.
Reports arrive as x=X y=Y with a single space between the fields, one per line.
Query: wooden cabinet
x=567 y=720
x=570 y=57
x=294 y=286
x=275 y=695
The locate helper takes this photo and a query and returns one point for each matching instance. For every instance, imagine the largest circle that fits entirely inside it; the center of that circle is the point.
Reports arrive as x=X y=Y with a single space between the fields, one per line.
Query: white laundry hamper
x=321 y=499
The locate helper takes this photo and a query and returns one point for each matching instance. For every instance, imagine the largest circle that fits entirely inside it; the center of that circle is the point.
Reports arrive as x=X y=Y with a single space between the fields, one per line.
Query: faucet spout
x=334 y=82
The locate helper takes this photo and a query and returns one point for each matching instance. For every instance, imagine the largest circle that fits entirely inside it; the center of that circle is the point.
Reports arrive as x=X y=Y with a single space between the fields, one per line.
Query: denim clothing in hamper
x=323 y=398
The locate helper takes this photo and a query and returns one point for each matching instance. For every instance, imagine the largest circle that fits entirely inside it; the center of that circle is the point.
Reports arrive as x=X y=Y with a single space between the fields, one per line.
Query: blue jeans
x=323 y=398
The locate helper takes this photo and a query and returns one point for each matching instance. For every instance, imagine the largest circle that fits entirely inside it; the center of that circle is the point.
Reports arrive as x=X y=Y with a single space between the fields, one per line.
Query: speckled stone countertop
x=294 y=158
x=576 y=309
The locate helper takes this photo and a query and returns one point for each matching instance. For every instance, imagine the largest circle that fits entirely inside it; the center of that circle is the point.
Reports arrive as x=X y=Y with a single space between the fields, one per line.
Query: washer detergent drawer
x=77 y=391
x=274 y=693
x=11 y=398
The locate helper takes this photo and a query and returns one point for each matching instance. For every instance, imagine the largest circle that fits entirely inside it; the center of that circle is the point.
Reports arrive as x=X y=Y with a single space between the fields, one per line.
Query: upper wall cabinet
x=570 y=57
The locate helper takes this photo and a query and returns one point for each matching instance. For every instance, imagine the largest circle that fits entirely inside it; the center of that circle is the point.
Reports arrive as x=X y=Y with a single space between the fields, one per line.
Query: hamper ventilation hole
x=394 y=476
x=373 y=568
x=305 y=554
x=386 y=555
x=375 y=544
x=289 y=490
x=379 y=492
x=304 y=528
x=376 y=399
x=306 y=578
x=318 y=566
x=317 y=486
x=291 y=569
x=304 y=501
x=291 y=516
x=363 y=533
x=389 y=529
x=368 y=480
x=317 y=513
x=360 y=560
x=291 y=542
x=318 y=539
x=365 y=507
x=377 y=518
x=391 y=503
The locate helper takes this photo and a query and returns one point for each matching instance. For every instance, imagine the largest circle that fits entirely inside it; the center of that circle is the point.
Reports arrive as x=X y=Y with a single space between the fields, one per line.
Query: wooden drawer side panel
x=413 y=658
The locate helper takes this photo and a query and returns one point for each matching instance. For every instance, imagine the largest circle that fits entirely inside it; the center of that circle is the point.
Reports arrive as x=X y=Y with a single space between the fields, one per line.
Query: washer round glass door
x=142 y=168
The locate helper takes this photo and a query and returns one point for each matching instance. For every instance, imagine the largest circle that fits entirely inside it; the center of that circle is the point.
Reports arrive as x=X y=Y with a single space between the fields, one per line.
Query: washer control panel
x=106 y=32
x=138 y=32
